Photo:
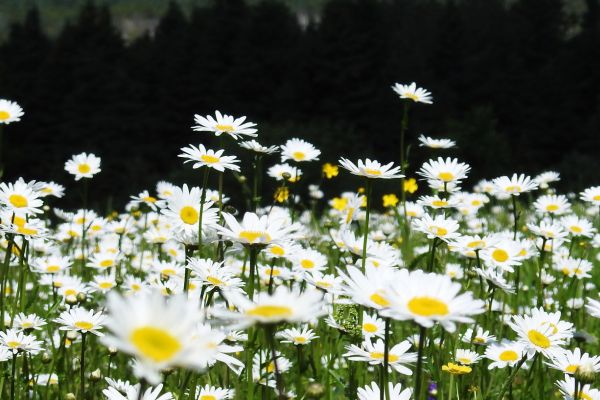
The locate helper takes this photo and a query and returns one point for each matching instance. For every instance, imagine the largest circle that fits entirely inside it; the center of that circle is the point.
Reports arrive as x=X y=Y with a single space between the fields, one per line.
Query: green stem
x=540 y=294
x=251 y=276
x=417 y=392
x=386 y=355
x=515 y=216
x=13 y=377
x=202 y=201
x=511 y=378
x=366 y=230
x=82 y=370
x=270 y=336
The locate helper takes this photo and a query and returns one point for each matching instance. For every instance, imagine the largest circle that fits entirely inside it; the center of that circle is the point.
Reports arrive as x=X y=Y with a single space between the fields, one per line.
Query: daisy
x=372 y=326
x=444 y=171
x=541 y=332
x=504 y=354
x=183 y=211
x=285 y=171
x=213 y=275
x=436 y=202
x=567 y=388
x=209 y=392
x=591 y=195
x=25 y=322
x=412 y=92
x=223 y=123
x=373 y=392
x=20 y=198
x=369 y=289
x=104 y=283
x=480 y=337
x=514 y=185
x=327 y=282
x=51 y=189
x=428 y=298
x=548 y=230
x=284 y=305
x=83 y=165
x=593 y=307
x=9 y=112
x=297 y=337
x=576 y=226
x=150 y=201
x=256 y=147
x=308 y=260
x=371 y=169
x=255 y=230
x=133 y=393
x=81 y=320
x=552 y=204
x=373 y=353
x=467 y=357
x=203 y=157
x=164 y=189
x=439 y=227
x=18 y=342
x=545 y=178
x=504 y=254
x=568 y=361
x=432 y=143
x=299 y=150
x=158 y=332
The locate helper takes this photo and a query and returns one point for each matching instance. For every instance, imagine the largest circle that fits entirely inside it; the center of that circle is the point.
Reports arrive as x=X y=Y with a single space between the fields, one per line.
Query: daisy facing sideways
x=223 y=123
x=373 y=353
x=299 y=150
x=9 y=112
x=371 y=169
x=426 y=141
x=202 y=157
x=412 y=92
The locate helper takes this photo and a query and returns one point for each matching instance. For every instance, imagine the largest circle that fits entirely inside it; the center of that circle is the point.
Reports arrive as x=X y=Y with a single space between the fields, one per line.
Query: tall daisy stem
x=386 y=362
x=251 y=276
x=403 y=164
x=202 y=201
x=4 y=277
x=82 y=369
x=13 y=377
x=366 y=228
x=540 y=294
x=256 y=186
x=270 y=334
x=510 y=379
x=417 y=392
x=515 y=216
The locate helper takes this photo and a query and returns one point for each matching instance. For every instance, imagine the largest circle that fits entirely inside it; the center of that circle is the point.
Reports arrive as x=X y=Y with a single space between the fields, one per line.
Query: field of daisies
x=488 y=292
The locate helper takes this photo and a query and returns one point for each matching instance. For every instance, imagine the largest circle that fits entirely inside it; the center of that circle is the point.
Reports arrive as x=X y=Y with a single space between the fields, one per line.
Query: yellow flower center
x=70 y=292
x=379 y=300
x=4 y=115
x=13 y=344
x=370 y=327
x=155 y=343
x=298 y=155
x=300 y=339
x=438 y=230
x=464 y=360
x=575 y=229
x=168 y=272
x=379 y=356
x=26 y=231
x=26 y=325
x=374 y=172
x=508 y=355
x=446 y=176
x=214 y=281
x=270 y=311
x=189 y=215
x=476 y=243
x=209 y=159
x=273 y=272
x=253 y=236
x=596 y=197
x=278 y=251
x=427 y=306
x=85 y=325
x=411 y=96
x=207 y=397
x=552 y=207
x=224 y=128
x=513 y=189
x=571 y=369
x=18 y=200
x=149 y=199
x=105 y=285
x=439 y=203
x=106 y=263
x=307 y=264
x=500 y=255
x=84 y=168
x=538 y=339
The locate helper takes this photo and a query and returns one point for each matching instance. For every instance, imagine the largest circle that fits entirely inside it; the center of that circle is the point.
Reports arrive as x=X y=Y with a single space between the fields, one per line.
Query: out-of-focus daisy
x=51 y=189
x=436 y=202
x=412 y=92
x=514 y=185
x=545 y=178
x=369 y=289
x=299 y=150
x=547 y=230
x=297 y=337
x=9 y=112
x=373 y=392
x=373 y=353
x=83 y=165
x=591 y=195
x=283 y=305
x=209 y=392
x=308 y=260
x=81 y=320
x=371 y=169
x=159 y=332
x=480 y=336
x=425 y=141
x=19 y=342
x=552 y=204
x=133 y=393
x=202 y=157
x=576 y=226
x=444 y=171
x=439 y=227
x=256 y=147
x=255 y=230
x=568 y=361
x=150 y=201
x=504 y=354
x=28 y=322
x=223 y=123
x=585 y=391
x=285 y=172
x=428 y=298
x=466 y=357
x=593 y=307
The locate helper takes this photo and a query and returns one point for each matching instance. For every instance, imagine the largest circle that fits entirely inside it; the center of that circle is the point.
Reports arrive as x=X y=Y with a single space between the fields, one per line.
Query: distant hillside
x=131 y=16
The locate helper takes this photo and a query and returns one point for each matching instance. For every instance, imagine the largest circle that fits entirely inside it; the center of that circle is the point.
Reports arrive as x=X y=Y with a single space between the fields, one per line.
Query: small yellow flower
x=281 y=194
x=456 y=369
x=410 y=185
x=390 y=200
x=330 y=171
x=339 y=203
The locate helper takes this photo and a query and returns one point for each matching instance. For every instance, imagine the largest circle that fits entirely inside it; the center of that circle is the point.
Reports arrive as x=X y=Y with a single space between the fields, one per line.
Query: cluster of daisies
x=197 y=292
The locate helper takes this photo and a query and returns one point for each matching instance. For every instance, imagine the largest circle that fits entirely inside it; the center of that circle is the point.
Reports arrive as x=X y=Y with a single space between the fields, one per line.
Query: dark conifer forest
x=517 y=86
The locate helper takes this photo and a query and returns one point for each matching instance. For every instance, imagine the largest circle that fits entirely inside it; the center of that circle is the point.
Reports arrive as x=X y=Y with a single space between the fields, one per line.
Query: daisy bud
x=81 y=297
x=242 y=178
x=72 y=335
x=585 y=373
x=315 y=391
x=112 y=350
x=96 y=375
x=71 y=300
x=230 y=210
x=46 y=358
x=70 y=396
x=286 y=176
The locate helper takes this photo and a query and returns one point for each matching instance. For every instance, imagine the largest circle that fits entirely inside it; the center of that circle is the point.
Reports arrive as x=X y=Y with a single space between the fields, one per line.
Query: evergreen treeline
x=518 y=87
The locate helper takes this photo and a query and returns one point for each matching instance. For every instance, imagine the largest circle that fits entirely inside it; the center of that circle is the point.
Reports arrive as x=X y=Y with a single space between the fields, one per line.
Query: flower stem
x=270 y=335
x=540 y=294
x=366 y=229
x=515 y=216
x=13 y=377
x=251 y=276
x=511 y=378
x=417 y=392
x=82 y=369
x=386 y=361
x=202 y=201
